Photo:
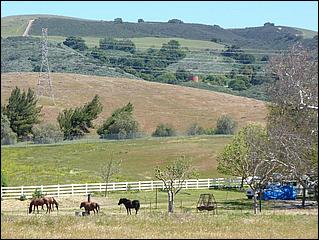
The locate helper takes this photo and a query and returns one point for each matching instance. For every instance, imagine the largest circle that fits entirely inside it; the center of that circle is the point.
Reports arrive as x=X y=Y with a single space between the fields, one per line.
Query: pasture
x=80 y=161
x=143 y=43
x=234 y=219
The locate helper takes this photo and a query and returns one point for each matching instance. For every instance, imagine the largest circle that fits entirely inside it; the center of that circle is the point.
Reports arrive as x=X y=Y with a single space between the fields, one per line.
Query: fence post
x=58 y=190
x=21 y=190
x=113 y=186
x=72 y=189
x=197 y=183
x=152 y=185
x=42 y=189
x=86 y=188
x=186 y=184
x=100 y=187
x=139 y=185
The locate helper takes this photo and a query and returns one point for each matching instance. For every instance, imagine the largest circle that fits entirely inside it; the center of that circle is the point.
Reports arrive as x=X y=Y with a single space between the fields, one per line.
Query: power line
x=44 y=75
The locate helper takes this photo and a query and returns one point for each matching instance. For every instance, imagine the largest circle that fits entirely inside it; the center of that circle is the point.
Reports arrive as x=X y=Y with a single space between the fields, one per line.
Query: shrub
x=225 y=125
x=22 y=197
x=164 y=130
x=37 y=193
x=47 y=133
x=75 y=43
x=237 y=84
x=195 y=129
x=7 y=135
x=210 y=131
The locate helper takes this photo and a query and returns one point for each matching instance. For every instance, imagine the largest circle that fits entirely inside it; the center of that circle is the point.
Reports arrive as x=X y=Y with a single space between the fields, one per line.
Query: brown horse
x=90 y=206
x=38 y=202
x=51 y=202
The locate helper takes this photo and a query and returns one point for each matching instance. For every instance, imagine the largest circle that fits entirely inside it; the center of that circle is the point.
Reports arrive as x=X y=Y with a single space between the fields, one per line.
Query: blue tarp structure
x=279 y=192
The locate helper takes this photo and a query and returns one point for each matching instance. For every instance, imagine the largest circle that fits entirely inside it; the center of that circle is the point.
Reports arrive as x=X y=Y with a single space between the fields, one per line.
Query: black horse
x=130 y=204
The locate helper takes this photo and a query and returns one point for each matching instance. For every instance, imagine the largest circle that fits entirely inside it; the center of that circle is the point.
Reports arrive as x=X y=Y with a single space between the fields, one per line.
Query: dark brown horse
x=38 y=202
x=90 y=206
x=130 y=204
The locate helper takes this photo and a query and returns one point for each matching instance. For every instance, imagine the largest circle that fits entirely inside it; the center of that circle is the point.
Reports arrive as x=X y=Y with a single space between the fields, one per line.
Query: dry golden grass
x=112 y=221
x=154 y=102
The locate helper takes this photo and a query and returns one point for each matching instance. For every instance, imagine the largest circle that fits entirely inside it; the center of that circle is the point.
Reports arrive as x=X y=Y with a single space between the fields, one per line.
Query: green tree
x=182 y=75
x=164 y=130
x=76 y=122
x=7 y=135
x=22 y=111
x=75 y=42
x=120 y=125
x=167 y=77
x=118 y=20
x=247 y=157
x=225 y=125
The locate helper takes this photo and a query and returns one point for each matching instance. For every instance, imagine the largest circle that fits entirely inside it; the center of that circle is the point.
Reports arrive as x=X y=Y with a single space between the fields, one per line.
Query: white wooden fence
x=84 y=189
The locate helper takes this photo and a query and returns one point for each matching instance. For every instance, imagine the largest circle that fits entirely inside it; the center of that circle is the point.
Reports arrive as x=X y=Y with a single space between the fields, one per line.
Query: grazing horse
x=90 y=206
x=51 y=202
x=130 y=204
x=38 y=202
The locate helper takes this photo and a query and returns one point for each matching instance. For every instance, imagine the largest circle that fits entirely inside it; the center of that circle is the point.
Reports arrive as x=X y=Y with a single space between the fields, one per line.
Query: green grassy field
x=80 y=162
x=14 y=26
x=234 y=218
x=147 y=42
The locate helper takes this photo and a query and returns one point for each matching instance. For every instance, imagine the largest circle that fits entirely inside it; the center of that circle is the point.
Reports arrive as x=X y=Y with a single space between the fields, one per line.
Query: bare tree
x=174 y=176
x=108 y=170
x=293 y=115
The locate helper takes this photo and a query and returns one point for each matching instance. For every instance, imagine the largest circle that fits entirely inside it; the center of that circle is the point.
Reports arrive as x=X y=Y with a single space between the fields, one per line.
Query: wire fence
x=29 y=141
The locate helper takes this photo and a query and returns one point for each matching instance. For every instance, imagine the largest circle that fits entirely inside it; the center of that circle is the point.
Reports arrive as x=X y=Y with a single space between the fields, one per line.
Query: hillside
x=154 y=102
x=23 y=54
x=265 y=37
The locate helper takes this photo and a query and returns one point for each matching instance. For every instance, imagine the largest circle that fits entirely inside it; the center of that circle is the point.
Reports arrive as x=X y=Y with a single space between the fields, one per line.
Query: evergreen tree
x=76 y=122
x=22 y=111
x=121 y=124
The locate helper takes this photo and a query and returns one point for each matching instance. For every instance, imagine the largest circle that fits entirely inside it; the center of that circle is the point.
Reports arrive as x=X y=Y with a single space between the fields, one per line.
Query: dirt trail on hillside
x=26 y=32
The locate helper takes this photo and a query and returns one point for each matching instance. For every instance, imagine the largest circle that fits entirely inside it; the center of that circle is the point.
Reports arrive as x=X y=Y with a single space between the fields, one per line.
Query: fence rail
x=84 y=189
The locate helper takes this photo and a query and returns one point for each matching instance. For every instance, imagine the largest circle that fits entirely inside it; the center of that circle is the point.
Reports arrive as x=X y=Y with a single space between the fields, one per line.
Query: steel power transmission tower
x=44 y=82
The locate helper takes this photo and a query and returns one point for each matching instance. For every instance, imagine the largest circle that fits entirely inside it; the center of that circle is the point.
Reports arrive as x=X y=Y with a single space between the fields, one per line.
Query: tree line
x=20 y=121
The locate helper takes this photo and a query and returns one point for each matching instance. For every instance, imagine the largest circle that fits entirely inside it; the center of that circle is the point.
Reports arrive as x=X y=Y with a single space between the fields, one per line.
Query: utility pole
x=44 y=82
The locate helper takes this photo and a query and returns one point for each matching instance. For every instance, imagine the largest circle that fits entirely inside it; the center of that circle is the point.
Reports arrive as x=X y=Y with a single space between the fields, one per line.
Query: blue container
x=279 y=192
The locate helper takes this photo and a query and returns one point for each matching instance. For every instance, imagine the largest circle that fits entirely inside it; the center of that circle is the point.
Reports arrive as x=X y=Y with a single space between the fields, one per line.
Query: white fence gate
x=84 y=189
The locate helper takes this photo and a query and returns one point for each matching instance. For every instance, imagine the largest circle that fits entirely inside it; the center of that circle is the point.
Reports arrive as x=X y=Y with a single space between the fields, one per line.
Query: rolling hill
x=264 y=37
x=154 y=102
